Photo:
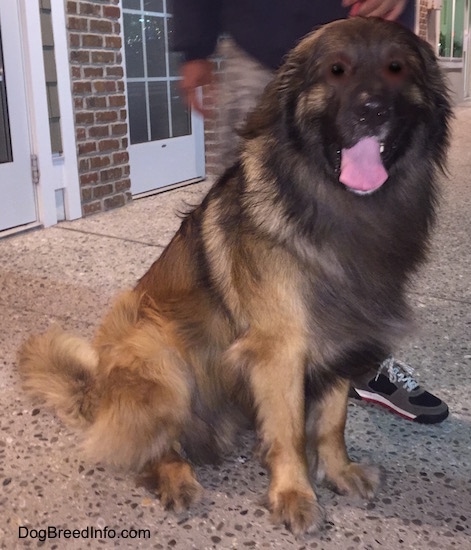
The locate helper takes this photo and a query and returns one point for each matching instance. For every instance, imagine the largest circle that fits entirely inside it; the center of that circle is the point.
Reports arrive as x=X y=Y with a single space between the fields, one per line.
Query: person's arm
x=197 y=25
x=387 y=9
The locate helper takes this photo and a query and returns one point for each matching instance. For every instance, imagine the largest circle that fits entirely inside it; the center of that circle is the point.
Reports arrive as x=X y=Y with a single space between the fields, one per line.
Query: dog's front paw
x=357 y=480
x=298 y=510
x=174 y=482
x=179 y=495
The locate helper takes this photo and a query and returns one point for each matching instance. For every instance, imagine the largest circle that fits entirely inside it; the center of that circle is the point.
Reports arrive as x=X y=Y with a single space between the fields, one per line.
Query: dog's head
x=364 y=91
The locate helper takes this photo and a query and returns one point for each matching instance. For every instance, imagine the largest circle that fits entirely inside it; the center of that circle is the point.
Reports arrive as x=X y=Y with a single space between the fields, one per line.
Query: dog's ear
x=280 y=95
x=435 y=82
x=438 y=99
x=267 y=111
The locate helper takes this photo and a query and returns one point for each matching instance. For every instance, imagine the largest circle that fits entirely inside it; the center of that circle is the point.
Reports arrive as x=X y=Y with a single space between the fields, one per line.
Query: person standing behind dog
x=252 y=37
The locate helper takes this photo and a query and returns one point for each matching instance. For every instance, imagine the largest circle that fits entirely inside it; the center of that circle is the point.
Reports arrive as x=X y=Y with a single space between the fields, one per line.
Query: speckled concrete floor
x=68 y=274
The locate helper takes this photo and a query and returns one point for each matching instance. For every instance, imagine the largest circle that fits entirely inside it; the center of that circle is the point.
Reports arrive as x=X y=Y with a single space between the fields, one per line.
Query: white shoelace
x=399 y=372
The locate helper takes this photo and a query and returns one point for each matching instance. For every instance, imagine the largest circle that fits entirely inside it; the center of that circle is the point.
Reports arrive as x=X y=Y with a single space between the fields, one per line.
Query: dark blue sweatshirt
x=265 y=29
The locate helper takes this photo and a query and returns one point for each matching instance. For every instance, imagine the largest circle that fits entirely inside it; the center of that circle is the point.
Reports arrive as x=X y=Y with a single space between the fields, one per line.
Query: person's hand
x=387 y=9
x=195 y=74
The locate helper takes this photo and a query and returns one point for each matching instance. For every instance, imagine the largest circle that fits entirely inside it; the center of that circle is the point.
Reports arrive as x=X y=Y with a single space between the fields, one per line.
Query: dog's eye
x=337 y=69
x=395 y=67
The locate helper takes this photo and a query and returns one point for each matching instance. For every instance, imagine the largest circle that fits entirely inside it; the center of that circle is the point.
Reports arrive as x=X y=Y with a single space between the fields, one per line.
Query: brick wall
x=209 y=101
x=95 y=49
x=422 y=19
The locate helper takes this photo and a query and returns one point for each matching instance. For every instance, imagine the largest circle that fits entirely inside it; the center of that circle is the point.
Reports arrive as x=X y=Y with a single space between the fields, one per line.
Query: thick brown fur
x=280 y=286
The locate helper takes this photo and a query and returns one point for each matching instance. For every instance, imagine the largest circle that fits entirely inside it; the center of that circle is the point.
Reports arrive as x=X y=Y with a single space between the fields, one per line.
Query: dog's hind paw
x=299 y=511
x=354 y=479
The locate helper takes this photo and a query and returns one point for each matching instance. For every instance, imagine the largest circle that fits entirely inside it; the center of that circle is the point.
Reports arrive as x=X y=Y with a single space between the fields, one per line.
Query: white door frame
x=18 y=199
x=57 y=173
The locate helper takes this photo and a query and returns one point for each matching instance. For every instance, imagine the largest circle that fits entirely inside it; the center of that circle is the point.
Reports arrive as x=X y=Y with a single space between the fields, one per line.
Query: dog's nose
x=372 y=110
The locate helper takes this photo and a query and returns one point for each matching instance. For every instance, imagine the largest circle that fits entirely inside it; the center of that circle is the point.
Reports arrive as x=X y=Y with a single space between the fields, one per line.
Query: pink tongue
x=361 y=167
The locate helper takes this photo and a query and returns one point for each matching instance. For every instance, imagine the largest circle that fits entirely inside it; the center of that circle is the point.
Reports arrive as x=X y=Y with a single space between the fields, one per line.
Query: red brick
x=115 y=202
x=116 y=71
x=88 y=179
x=111 y=12
x=86 y=8
x=72 y=8
x=96 y=102
x=117 y=100
x=92 y=41
x=81 y=87
x=101 y=26
x=123 y=185
x=80 y=134
x=74 y=40
x=108 y=145
x=78 y=103
x=106 y=116
x=80 y=56
x=111 y=174
x=87 y=193
x=104 y=86
x=84 y=165
x=99 y=131
x=119 y=129
x=77 y=23
x=100 y=191
x=103 y=57
x=93 y=72
x=84 y=118
x=91 y=208
x=86 y=148
x=97 y=163
x=113 y=42
x=121 y=158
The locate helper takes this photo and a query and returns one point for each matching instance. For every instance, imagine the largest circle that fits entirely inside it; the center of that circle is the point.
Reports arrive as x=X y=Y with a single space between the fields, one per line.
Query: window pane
x=137 y=112
x=132 y=4
x=155 y=46
x=181 y=121
x=174 y=58
x=133 y=45
x=158 y=104
x=154 y=5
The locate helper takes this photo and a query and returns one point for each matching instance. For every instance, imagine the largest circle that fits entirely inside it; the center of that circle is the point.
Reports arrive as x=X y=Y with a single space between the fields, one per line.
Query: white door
x=17 y=194
x=166 y=140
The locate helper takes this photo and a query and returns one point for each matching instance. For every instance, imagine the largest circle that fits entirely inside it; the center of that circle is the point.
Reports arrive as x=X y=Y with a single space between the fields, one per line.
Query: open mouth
x=361 y=166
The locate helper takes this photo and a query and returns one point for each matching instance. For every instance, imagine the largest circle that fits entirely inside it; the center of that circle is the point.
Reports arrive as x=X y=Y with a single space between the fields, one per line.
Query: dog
x=286 y=281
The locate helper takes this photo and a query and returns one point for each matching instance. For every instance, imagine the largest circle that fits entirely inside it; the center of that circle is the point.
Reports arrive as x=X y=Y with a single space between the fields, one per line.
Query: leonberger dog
x=286 y=281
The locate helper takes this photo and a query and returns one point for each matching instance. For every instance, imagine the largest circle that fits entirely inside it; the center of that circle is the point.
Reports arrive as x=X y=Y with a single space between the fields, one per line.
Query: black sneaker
x=399 y=392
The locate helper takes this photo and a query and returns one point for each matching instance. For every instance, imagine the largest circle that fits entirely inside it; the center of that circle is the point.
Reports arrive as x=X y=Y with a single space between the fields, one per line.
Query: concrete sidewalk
x=68 y=274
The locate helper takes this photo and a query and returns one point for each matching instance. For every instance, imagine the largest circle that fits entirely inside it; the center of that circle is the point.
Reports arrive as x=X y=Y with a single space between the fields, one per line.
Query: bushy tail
x=60 y=369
